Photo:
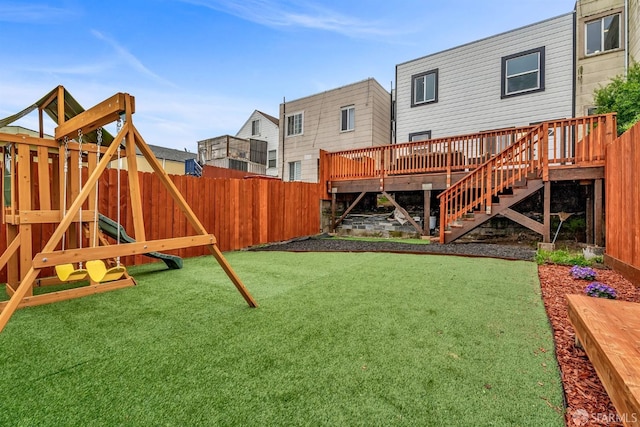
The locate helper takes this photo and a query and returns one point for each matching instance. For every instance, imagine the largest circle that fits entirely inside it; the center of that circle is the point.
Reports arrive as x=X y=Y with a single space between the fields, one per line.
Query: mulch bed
x=585 y=395
x=587 y=402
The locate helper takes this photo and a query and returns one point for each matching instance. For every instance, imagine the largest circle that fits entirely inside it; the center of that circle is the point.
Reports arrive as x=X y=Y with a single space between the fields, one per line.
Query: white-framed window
x=294 y=124
x=602 y=34
x=523 y=72
x=424 y=88
x=295 y=171
x=255 y=127
x=271 y=159
x=348 y=118
x=420 y=136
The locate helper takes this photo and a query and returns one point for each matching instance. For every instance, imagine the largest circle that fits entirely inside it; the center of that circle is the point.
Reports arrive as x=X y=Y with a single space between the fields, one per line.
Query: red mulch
x=587 y=401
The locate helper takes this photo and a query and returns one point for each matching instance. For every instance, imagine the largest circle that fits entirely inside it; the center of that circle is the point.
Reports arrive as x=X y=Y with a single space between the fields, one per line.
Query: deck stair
x=503 y=206
x=520 y=170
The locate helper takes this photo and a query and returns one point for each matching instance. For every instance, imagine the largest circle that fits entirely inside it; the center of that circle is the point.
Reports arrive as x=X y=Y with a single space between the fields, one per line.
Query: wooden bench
x=609 y=332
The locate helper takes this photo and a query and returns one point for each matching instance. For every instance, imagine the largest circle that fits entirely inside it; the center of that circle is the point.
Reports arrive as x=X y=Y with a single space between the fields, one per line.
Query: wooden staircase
x=503 y=207
x=520 y=170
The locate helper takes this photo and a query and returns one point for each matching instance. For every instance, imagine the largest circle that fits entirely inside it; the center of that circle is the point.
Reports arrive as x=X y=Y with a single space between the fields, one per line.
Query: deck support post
x=598 y=213
x=333 y=211
x=589 y=210
x=546 y=235
x=427 y=209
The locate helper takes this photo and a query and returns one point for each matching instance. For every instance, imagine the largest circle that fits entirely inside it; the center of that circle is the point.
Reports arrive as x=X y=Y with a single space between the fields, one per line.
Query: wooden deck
x=471 y=173
x=609 y=331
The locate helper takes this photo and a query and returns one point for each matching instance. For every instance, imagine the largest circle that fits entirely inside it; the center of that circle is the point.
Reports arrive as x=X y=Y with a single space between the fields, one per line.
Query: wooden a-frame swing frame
x=24 y=267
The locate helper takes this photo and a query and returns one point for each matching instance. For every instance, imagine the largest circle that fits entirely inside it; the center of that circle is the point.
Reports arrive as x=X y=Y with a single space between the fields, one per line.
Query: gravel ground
x=324 y=243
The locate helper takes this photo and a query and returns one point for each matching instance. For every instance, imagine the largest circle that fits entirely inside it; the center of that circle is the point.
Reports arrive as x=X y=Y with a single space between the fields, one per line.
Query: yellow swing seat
x=98 y=271
x=68 y=273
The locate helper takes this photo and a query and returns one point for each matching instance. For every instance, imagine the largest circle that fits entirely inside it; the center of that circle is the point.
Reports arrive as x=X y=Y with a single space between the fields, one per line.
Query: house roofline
x=369 y=79
x=487 y=38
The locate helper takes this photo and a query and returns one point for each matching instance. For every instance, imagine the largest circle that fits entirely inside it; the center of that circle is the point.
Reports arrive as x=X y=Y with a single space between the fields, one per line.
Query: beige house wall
x=321 y=125
x=170 y=166
x=596 y=70
x=634 y=31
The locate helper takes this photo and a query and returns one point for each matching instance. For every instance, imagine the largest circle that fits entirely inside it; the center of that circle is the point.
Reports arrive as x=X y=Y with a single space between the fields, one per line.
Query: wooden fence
x=239 y=212
x=622 y=204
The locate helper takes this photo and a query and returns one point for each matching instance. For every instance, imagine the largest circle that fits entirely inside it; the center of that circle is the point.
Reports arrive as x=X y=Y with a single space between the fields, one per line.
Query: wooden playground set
x=55 y=181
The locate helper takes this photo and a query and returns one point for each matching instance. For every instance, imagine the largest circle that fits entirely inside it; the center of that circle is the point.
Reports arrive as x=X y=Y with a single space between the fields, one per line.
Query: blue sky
x=198 y=68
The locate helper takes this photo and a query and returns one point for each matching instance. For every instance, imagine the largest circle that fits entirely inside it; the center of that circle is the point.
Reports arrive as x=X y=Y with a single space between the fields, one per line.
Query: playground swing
x=97 y=269
x=68 y=272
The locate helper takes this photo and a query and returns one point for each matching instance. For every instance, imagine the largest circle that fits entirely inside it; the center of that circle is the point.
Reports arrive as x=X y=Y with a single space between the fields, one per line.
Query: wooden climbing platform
x=609 y=331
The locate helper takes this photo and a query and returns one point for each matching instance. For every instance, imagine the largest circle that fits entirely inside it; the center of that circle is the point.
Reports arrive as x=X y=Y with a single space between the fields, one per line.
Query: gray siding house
x=510 y=79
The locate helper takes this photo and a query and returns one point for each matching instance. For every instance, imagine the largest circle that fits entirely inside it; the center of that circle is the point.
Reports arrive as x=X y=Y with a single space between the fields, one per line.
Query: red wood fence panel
x=239 y=212
x=622 y=204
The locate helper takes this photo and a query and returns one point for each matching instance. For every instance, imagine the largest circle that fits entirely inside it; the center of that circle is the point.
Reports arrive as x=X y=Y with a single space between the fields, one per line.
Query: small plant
x=562 y=257
x=600 y=290
x=584 y=273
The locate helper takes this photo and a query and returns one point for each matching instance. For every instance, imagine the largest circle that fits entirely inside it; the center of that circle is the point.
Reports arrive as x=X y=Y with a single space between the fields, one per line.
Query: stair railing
x=475 y=191
x=441 y=155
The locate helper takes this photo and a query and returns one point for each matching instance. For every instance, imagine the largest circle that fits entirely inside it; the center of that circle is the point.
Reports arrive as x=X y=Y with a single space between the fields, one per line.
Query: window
x=238 y=165
x=255 y=127
x=348 y=118
x=272 y=159
x=295 y=171
x=294 y=124
x=424 y=88
x=602 y=35
x=523 y=73
x=420 y=136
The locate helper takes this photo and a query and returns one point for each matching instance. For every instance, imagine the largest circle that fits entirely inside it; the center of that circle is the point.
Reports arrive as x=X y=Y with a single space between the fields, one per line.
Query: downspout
x=284 y=125
x=395 y=125
x=575 y=61
x=626 y=37
x=393 y=116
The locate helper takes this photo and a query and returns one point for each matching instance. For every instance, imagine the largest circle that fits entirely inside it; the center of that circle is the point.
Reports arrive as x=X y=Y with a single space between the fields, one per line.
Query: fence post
x=543 y=141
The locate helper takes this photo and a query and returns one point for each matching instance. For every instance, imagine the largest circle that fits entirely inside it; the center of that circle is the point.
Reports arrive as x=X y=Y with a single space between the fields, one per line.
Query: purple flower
x=584 y=273
x=600 y=290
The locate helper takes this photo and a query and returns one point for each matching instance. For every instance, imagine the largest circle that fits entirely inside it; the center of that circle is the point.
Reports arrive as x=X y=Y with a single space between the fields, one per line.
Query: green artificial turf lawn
x=339 y=339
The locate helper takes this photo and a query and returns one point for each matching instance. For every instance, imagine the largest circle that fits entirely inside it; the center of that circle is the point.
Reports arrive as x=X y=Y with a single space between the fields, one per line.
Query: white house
x=511 y=79
x=254 y=149
x=263 y=127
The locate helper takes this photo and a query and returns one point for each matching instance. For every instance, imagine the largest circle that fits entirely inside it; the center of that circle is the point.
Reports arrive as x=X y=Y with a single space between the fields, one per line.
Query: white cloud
x=297 y=14
x=21 y=12
x=130 y=59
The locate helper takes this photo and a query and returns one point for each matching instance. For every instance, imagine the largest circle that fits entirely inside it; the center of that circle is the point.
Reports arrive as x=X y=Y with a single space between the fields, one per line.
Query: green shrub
x=562 y=257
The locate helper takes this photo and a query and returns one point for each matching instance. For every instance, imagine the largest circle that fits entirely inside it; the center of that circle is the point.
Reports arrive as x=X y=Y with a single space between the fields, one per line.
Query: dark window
x=348 y=118
x=523 y=73
x=258 y=151
x=272 y=159
x=420 y=136
x=295 y=171
x=294 y=124
x=238 y=165
x=424 y=88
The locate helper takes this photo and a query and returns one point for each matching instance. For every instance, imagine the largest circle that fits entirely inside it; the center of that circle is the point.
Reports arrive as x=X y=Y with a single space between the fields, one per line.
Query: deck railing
x=457 y=153
x=555 y=144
